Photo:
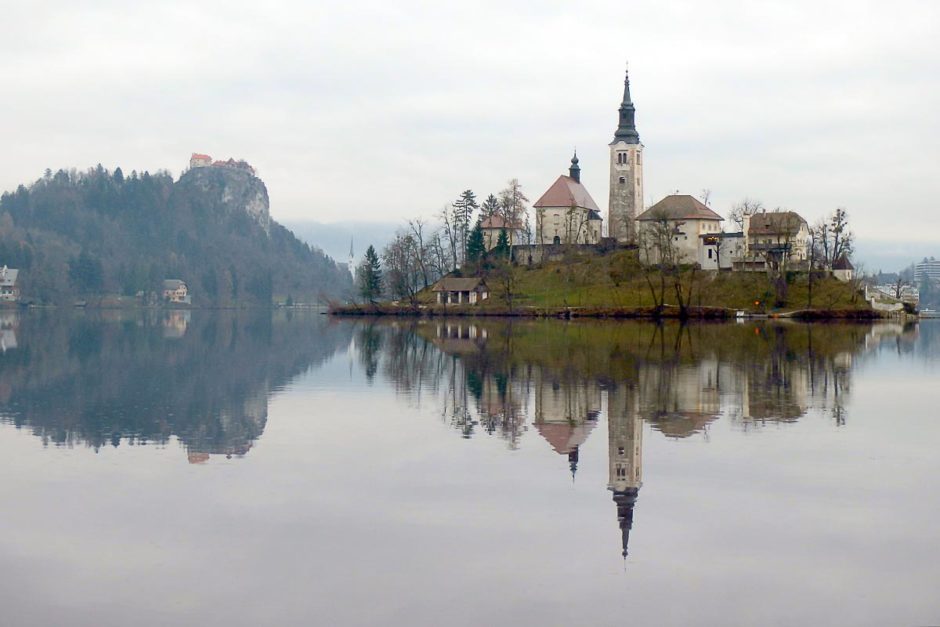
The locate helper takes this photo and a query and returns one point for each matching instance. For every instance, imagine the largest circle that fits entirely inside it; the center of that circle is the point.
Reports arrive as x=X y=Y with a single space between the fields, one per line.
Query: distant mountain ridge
x=335 y=238
x=99 y=232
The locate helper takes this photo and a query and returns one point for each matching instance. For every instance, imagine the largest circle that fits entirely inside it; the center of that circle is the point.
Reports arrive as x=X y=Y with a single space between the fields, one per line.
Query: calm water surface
x=232 y=469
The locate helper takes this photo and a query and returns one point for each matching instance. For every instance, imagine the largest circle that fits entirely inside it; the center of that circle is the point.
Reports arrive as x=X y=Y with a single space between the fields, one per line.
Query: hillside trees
x=100 y=232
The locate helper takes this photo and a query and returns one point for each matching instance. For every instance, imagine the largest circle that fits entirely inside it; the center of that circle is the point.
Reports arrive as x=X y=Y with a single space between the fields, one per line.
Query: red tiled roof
x=566 y=192
x=197 y=155
x=564 y=437
x=775 y=223
x=679 y=207
x=498 y=222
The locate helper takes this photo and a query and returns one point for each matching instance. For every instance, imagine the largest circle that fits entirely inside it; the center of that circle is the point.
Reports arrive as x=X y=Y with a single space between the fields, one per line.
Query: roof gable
x=498 y=222
x=679 y=207
x=774 y=223
x=459 y=284
x=566 y=192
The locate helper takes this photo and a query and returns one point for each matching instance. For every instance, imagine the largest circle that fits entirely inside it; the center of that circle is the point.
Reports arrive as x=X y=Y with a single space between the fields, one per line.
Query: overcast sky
x=387 y=110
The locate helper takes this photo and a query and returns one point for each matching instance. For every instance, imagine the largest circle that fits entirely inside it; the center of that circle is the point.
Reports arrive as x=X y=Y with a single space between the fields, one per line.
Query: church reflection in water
x=204 y=379
x=564 y=380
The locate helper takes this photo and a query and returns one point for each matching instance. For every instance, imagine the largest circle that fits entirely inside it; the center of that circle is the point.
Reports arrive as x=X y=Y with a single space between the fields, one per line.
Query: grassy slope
x=617 y=280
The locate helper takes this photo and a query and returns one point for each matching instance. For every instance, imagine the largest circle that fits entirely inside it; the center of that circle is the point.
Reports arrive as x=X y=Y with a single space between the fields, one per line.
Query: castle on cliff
x=198 y=160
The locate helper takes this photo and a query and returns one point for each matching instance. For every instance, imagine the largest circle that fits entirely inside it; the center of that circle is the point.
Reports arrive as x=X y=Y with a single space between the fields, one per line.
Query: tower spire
x=575 y=170
x=625 y=500
x=626 y=128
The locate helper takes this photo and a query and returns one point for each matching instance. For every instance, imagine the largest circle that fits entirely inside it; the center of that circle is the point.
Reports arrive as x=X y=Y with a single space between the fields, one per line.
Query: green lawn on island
x=617 y=280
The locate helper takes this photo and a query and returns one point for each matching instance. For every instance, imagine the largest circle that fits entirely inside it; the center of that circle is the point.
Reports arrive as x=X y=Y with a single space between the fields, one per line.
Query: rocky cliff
x=233 y=190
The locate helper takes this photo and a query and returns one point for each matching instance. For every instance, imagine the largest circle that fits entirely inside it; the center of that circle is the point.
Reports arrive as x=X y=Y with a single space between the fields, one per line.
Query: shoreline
x=621 y=313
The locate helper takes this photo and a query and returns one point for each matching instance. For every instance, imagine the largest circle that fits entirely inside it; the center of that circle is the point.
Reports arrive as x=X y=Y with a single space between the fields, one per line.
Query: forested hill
x=82 y=235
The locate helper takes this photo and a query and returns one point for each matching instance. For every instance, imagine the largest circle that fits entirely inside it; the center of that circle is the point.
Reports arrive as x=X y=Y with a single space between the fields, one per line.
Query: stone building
x=566 y=213
x=626 y=173
x=199 y=160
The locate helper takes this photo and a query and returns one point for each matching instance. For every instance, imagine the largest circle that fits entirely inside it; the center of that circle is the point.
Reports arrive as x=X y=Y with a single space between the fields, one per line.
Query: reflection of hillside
x=121 y=376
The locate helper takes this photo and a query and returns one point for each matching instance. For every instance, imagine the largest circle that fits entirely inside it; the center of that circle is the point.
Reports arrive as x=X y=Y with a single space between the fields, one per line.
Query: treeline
x=144 y=376
x=88 y=234
x=454 y=241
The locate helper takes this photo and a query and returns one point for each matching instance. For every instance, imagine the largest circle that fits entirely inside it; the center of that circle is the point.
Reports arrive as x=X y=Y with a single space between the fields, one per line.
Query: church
x=567 y=214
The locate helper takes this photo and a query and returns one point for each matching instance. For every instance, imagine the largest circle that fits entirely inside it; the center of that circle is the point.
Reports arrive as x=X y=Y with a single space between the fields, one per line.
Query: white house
x=461 y=291
x=843 y=269
x=775 y=237
x=687 y=220
x=719 y=251
x=566 y=213
x=9 y=290
x=175 y=291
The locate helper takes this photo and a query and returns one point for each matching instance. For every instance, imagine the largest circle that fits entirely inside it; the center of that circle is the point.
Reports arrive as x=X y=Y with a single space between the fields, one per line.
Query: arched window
x=556 y=240
x=623 y=180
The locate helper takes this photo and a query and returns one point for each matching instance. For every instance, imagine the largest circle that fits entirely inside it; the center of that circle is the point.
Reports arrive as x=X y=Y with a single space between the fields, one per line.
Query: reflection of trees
x=109 y=377
x=685 y=377
x=497 y=376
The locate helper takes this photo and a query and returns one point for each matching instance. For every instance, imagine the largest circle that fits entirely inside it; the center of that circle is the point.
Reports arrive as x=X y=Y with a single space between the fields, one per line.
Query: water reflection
x=499 y=378
x=112 y=377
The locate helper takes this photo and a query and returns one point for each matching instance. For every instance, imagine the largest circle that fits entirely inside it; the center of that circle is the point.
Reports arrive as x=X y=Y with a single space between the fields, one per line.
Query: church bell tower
x=625 y=457
x=626 y=172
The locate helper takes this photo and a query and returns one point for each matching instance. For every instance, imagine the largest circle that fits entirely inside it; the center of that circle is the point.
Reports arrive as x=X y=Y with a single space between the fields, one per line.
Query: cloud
x=382 y=111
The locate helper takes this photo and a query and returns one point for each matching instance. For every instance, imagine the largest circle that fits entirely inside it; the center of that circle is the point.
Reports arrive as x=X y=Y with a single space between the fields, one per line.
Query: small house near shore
x=461 y=291
x=843 y=269
x=9 y=290
x=175 y=291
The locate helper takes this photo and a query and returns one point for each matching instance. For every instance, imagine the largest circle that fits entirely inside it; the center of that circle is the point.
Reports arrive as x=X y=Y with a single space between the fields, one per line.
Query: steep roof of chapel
x=566 y=192
x=679 y=207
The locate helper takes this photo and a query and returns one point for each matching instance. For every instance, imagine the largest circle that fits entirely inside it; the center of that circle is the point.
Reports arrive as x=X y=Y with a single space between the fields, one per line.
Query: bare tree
x=422 y=248
x=743 y=209
x=512 y=206
x=659 y=253
x=899 y=284
x=451 y=233
x=402 y=272
x=834 y=238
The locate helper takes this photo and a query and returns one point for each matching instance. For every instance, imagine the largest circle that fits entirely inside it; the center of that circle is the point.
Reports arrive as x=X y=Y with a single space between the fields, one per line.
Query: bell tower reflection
x=625 y=456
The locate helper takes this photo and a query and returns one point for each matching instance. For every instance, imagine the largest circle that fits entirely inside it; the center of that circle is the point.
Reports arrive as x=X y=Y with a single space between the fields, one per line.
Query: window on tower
x=623 y=180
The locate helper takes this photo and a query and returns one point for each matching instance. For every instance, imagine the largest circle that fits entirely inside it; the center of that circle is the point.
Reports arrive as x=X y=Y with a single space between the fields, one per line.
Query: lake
x=220 y=468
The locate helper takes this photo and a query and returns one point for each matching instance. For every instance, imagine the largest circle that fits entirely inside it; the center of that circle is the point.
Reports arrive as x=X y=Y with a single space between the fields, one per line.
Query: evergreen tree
x=476 y=247
x=490 y=207
x=85 y=272
x=463 y=210
x=369 y=276
x=502 y=244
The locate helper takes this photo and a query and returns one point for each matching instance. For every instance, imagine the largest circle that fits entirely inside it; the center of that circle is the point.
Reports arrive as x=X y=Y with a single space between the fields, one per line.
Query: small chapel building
x=566 y=213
